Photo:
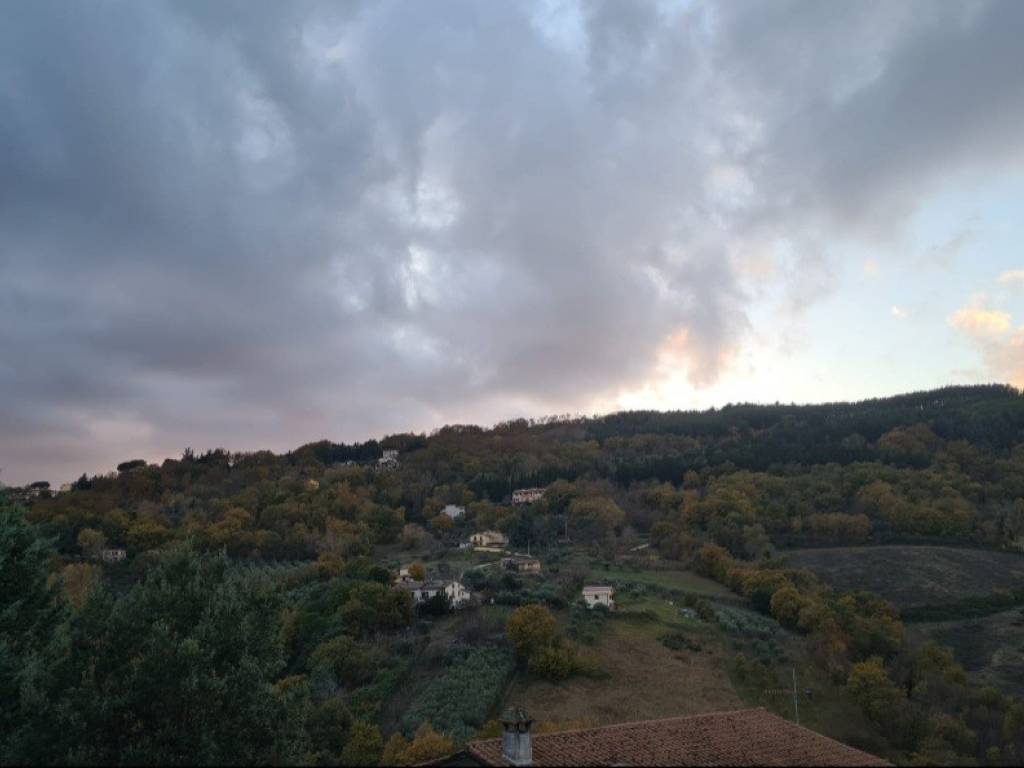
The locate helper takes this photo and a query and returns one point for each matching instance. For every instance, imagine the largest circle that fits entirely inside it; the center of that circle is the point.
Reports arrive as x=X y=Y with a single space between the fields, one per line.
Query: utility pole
x=795 y=693
x=796 y=705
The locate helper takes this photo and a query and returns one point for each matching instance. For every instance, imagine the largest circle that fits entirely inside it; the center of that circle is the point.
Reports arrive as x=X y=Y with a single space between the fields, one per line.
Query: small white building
x=114 y=555
x=527 y=495
x=599 y=595
x=454 y=511
x=489 y=539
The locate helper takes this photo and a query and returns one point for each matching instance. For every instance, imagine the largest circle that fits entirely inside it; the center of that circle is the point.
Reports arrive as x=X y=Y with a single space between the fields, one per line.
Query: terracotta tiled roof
x=745 y=737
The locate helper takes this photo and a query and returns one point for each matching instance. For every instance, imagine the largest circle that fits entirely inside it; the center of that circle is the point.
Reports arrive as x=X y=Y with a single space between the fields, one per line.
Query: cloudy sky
x=256 y=224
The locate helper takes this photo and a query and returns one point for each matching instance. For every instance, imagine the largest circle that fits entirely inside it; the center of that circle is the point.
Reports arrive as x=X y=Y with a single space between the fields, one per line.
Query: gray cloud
x=256 y=224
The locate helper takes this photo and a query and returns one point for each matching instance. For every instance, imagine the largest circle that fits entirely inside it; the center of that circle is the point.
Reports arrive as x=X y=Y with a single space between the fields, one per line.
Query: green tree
x=328 y=726
x=179 y=671
x=364 y=746
x=30 y=616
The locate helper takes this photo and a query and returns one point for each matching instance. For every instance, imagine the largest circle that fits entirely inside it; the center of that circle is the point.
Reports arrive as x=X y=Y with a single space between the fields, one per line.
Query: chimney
x=516 y=746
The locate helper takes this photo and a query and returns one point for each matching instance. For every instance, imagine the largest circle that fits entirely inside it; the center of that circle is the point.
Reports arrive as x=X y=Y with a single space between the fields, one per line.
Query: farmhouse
x=388 y=460
x=744 y=737
x=114 y=555
x=521 y=564
x=527 y=495
x=489 y=539
x=453 y=511
x=599 y=595
x=422 y=591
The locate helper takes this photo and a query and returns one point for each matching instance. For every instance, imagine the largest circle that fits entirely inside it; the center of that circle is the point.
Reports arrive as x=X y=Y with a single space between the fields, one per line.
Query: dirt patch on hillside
x=647 y=680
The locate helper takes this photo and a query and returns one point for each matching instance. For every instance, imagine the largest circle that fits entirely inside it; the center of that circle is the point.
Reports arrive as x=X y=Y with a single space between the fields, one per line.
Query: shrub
x=553 y=662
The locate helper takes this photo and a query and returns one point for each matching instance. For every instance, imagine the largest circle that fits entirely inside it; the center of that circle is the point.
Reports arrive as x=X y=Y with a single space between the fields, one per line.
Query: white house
x=388 y=459
x=527 y=495
x=422 y=591
x=454 y=511
x=489 y=539
x=599 y=595
x=115 y=555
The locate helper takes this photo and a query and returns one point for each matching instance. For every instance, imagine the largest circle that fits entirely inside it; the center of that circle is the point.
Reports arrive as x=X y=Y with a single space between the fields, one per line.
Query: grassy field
x=911 y=575
x=645 y=679
x=682 y=581
x=991 y=649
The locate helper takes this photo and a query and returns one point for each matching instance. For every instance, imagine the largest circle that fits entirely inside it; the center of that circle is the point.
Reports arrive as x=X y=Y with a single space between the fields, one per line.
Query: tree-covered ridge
x=938 y=465
x=290 y=559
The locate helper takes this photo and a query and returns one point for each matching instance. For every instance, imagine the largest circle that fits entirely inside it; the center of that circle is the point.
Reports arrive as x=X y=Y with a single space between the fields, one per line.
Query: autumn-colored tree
x=871 y=688
x=91 y=542
x=531 y=628
x=427 y=744
x=144 y=535
x=418 y=572
x=394 y=750
x=594 y=518
x=441 y=523
x=713 y=561
x=79 y=580
x=786 y=605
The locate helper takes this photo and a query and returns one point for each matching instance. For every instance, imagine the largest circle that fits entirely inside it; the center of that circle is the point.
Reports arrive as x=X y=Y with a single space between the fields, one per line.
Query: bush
x=554 y=662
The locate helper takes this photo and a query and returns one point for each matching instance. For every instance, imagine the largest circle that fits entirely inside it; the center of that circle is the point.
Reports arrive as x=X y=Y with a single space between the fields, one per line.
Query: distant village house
x=489 y=539
x=422 y=591
x=454 y=511
x=388 y=459
x=114 y=555
x=527 y=495
x=599 y=595
x=521 y=564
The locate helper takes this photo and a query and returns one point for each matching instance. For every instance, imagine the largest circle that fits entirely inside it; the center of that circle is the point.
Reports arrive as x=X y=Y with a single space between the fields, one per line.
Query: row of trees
x=919 y=700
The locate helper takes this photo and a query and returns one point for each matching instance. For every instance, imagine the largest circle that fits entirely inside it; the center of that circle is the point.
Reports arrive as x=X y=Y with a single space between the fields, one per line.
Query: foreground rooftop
x=744 y=737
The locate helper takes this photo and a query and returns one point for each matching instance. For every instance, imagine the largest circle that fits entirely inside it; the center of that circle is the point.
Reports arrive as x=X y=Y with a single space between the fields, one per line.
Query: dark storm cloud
x=254 y=224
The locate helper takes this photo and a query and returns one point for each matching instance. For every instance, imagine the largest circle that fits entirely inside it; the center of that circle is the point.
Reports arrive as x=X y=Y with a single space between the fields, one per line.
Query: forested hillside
x=946 y=465
x=257 y=587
